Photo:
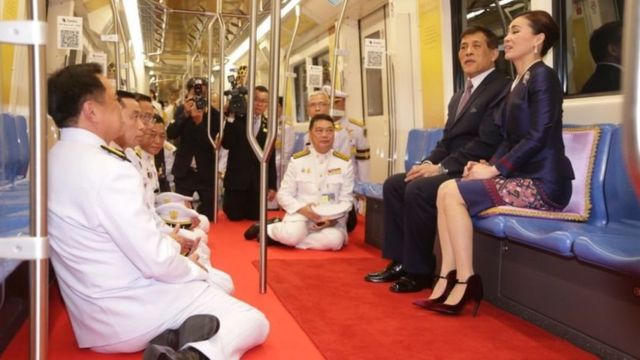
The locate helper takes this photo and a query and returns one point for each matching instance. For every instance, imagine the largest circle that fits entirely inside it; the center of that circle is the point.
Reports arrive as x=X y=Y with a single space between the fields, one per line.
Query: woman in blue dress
x=528 y=170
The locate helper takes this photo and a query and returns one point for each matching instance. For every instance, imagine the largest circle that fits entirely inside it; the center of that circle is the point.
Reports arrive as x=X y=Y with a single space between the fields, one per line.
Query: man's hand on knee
x=422 y=170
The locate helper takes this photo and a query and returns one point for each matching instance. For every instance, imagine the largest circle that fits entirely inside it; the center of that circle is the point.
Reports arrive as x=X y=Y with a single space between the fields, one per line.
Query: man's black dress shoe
x=412 y=282
x=159 y=352
x=252 y=232
x=393 y=272
x=195 y=328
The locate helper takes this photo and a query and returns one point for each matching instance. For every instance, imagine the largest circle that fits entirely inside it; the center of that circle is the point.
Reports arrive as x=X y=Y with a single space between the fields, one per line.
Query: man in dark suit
x=469 y=134
x=605 y=45
x=195 y=159
x=242 y=178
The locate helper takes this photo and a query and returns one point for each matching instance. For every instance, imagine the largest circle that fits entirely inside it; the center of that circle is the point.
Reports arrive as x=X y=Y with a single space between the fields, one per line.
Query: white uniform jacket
x=312 y=178
x=358 y=147
x=118 y=274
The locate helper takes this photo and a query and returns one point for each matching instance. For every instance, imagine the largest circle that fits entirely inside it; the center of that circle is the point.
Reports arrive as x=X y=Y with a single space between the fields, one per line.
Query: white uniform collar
x=317 y=154
x=75 y=134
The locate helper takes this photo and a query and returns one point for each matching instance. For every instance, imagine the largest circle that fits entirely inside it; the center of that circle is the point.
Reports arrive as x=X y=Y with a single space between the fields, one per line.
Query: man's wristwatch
x=442 y=170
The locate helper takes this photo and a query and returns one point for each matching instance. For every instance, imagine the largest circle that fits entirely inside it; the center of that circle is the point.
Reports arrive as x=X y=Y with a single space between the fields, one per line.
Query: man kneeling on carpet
x=124 y=282
x=316 y=193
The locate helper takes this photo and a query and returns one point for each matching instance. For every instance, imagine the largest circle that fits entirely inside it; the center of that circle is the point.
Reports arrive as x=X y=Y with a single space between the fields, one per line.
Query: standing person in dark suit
x=469 y=134
x=242 y=178
x=529 y=169
x=195 y=159
x=606 y=49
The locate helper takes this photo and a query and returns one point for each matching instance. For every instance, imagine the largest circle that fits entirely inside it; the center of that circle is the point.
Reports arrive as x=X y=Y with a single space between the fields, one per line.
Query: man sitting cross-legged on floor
x=318 y=179
x=122 y=280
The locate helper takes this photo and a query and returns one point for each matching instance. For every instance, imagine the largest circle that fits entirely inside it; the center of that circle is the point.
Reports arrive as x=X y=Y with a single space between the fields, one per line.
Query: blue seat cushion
x=555 y=236
x=492 y=225
x=617 y=252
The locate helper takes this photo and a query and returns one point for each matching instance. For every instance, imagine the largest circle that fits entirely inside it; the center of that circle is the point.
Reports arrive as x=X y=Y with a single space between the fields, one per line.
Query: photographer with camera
x=242 y=177
x=195 y=160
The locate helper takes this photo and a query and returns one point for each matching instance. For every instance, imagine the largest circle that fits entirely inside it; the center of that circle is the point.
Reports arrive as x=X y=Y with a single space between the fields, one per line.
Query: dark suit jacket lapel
x=469 y=105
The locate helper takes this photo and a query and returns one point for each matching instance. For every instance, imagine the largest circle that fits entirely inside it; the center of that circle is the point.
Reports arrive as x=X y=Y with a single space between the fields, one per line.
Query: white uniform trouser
x=294 y=231
x=242 y=327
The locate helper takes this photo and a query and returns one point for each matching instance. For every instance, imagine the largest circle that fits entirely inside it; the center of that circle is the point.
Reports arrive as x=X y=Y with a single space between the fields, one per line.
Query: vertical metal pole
x=116 y=21
x=213 y=143
x=221 y=97
x=274 y=78
x=336 y=42
x=286 y=84
x=39 y=269
x=630 y=87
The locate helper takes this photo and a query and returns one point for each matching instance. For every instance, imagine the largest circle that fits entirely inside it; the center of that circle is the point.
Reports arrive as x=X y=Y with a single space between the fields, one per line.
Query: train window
x=324 y=61
x=484 y=13
x=300 y=82
x=374 y=86
x=593 y=43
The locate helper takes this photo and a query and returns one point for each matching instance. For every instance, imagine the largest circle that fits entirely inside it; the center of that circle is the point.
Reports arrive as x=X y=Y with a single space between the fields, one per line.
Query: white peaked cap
x=171 y=197
x=176 y=214
x=339 y=94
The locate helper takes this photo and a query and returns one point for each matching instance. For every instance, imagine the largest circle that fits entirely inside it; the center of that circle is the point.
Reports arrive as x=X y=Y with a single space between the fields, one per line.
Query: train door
x=375 y=92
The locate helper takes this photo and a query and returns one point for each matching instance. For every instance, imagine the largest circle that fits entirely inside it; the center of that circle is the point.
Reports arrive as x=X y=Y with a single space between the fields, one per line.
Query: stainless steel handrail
x=286 y=85
x=630 y=87
x=336 y=50
x=221 y=97
x=116 y=49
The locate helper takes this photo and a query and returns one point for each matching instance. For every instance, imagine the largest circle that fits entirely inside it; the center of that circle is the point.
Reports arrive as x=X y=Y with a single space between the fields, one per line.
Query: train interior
x=559 y=288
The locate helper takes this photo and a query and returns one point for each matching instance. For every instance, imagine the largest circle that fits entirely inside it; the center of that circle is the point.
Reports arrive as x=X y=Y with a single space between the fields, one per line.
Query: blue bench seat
x=557 y=235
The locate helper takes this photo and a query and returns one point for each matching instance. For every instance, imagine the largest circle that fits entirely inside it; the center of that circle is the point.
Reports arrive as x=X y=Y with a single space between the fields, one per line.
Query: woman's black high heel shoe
x=451 y=282
x=473 y=291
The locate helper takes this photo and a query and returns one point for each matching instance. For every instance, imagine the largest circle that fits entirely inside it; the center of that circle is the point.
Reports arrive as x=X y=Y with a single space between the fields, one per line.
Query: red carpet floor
x=324 y=310
x=348 y=318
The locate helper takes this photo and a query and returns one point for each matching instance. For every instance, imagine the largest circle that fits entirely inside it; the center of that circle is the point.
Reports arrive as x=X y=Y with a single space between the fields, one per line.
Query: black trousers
x=410 y=221
x=192 y=182
x=241 y=204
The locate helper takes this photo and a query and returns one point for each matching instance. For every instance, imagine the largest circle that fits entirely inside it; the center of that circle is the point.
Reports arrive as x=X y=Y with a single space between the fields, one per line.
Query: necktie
x=468 y=88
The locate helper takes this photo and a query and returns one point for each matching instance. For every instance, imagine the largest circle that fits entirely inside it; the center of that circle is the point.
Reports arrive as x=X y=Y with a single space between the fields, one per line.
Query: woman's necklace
x=517 y=80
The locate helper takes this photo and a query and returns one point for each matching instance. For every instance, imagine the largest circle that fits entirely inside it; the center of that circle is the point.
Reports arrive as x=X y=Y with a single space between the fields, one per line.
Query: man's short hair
x=69 y=88
x=316 y=93
x=607 y=34
x=262 y=88
x=320 y=117
x=157 y=119
x=192 y=82
x=492 y=39
x=122 y=94
x=143 y=97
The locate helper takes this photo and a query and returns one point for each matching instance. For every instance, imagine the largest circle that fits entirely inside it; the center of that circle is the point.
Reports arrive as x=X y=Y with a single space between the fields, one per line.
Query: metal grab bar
x=630 y=90
x=286 y=85
x=336 y=50
x=116 y=49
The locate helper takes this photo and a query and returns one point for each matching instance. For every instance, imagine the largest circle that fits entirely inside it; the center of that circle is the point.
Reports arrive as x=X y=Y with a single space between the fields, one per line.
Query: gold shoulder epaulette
x=115 y=152
x=302 y=153
x=138 y=151
x=288 y=122
x=340 y=155
x=169 y=146
x=338 y=126
x=357 y=122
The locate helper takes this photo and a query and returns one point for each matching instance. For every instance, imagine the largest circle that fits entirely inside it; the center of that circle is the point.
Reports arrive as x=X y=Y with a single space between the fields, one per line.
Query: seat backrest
x=298 y=144
x=22 y=137
x=623 y=204
x=420 y=143
x=8 y=148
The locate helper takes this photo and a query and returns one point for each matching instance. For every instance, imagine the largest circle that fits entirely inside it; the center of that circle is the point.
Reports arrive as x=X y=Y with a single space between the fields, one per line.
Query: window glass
x=374 y=86
x=485 y=13
x=323 y=60
x=301 y=91
x=593 y=37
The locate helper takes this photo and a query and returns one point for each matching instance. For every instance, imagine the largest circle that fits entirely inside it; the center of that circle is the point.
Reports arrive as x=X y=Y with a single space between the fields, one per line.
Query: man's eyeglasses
x=318 y=104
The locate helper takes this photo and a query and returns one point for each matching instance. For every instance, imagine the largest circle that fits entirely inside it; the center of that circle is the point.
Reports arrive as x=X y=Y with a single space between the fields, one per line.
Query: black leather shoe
x=195 y=328
x=159 y=352
x=392 y=272
x=252 y=232
x=412 y=283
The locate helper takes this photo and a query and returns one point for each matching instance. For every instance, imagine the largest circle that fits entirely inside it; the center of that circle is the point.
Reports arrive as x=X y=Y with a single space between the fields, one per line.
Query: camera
x=237 y=100
x=199 y=97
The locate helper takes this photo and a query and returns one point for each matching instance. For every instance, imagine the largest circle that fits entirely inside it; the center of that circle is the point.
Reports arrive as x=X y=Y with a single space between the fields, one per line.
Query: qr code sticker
x=69 y=39
x=374 y=59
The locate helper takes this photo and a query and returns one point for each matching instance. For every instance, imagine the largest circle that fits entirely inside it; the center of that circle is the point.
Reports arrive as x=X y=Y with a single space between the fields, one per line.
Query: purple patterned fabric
x=580 y=145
